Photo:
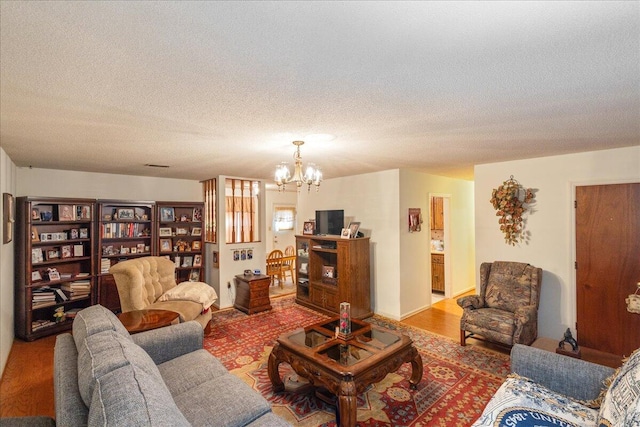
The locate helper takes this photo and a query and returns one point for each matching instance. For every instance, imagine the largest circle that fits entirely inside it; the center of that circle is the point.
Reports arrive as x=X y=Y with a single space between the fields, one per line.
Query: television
x=329 y=222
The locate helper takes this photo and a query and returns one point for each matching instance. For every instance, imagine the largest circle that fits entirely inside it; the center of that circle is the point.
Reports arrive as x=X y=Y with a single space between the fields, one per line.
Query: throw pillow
x=622 y=394
x=191 y=291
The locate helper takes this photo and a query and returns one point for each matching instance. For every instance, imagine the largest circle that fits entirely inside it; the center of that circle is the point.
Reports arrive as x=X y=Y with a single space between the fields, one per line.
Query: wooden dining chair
x=274 y=266
x=288 y=263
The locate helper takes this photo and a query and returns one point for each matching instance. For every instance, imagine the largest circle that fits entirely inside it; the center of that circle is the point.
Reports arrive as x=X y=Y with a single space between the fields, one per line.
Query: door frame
x=574 y=276
x=446 y=212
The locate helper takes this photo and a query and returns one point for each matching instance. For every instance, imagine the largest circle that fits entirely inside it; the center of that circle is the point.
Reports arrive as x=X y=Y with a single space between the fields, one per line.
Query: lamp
x=312 y=174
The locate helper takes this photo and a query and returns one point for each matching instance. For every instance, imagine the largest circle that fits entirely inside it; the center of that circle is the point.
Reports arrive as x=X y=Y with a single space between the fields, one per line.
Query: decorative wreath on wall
x=511 y=200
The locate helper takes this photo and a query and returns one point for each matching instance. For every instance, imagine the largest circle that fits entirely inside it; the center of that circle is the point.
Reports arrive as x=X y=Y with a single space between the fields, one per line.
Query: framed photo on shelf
x=74 y=233
x=346 y=233
x=78 y=250
x=353 y=229
x=126 y=213
x=194 y=276
x=197 y=215
x=187 y=262
x=184 y=218
x=34 y=235
x=140 y=247
x=53 y=254
x=328 y=274
x=165 y=231
x=309 y=227
x=196 y=231
x=66 y=251
x=53 y=274
x=166 y=245
x=36 y=276
x=167 y=214
x=35 y=214
x=181 y=231
x=84 y=233
x=196 y=245
x=197 y=261
x=36 y=255
x=66 y=213
x=215 y=259
x=83 y=212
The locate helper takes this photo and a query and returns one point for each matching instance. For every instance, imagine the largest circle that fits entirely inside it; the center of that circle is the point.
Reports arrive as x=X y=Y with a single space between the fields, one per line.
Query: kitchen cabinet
x=437 y=213
x=437 y=272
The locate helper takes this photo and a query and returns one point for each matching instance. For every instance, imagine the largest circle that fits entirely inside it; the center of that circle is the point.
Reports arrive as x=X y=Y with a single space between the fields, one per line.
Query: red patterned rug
x=456 y=385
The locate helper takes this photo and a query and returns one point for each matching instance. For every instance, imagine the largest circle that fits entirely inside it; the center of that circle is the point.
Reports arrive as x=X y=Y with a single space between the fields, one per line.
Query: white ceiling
x=223 y=88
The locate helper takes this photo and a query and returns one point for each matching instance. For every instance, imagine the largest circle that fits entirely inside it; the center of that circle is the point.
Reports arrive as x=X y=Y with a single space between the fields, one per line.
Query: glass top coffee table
x=345 y=366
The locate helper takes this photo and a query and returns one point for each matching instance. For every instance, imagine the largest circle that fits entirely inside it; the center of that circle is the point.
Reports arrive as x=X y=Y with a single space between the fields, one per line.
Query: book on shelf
x=39 y=324
x=61 y=296
x=105 y=265
x=71 y=313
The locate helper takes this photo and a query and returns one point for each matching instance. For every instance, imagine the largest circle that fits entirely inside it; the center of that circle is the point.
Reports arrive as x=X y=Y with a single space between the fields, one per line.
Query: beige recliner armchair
x=150 y=283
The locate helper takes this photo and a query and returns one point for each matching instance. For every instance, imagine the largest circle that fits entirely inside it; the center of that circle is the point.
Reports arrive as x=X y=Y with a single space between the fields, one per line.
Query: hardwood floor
x=26 y=387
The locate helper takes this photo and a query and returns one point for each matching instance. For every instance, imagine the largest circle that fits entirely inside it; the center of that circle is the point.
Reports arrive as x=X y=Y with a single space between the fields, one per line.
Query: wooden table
x=145 y=320
x=588 y=354
x=345 y=367
x=252 y=293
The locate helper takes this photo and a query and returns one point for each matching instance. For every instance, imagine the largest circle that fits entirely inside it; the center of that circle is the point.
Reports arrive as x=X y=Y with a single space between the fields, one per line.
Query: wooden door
x=608 y=266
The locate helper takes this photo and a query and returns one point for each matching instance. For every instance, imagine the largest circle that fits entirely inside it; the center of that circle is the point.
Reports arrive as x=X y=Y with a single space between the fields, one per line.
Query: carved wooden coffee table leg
x=347 y=403
x=416 y=368
x=274 y=374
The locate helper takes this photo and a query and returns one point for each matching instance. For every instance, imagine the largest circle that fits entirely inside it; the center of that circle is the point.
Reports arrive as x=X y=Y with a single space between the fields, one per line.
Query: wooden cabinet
x=252 y=293
x=437 y=213
x=125 y=230
x=181 y=238
x=437 y=272
x=331 y=270
x=54 y=262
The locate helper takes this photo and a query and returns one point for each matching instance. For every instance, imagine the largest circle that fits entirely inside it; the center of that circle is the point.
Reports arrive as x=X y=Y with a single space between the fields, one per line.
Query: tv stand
x=335 y=270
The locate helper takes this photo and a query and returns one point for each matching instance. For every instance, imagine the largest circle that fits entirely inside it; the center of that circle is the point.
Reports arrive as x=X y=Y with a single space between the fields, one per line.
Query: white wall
x=552 y=244
x=400 y=263
x=60 y=183
x=415 y=255
x=7 y=185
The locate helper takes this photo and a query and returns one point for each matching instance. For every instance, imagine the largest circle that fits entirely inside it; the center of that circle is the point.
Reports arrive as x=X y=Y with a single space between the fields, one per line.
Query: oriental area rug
x=456 y=385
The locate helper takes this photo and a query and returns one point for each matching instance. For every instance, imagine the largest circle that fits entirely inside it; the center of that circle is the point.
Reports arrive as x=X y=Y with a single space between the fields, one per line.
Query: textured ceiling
x=212 y=88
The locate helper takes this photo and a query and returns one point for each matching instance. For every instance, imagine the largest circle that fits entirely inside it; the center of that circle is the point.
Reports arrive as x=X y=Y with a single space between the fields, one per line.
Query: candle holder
x=344 y=323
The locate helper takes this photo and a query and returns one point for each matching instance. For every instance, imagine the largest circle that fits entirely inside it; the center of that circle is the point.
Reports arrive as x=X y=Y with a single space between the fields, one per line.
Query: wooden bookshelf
x=55 y=268
x=125 y=229
x=180 y=237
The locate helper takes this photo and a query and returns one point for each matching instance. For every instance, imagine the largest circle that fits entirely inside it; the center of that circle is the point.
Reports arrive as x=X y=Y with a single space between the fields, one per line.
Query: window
x=284 y=218
x=242 y=210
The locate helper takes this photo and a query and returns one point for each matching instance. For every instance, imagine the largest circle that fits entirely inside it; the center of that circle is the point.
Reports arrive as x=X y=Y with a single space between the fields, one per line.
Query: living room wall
x=400 y=267
x=552 y=243
x=7 y=185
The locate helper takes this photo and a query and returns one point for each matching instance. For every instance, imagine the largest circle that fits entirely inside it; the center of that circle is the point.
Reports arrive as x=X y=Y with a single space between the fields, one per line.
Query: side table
x=588 y=354
x=145 y=320
x=252 y=293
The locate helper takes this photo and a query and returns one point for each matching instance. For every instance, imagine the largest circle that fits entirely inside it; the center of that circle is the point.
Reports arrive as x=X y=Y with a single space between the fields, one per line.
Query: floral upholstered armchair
x=506 y=310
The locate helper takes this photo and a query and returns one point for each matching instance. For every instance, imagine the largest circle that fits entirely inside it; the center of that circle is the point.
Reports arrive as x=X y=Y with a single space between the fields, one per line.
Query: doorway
x=440 y=248
x=607 y=221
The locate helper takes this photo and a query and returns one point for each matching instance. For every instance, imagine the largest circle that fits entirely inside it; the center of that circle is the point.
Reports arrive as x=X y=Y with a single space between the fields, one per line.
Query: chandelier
x=312 y=174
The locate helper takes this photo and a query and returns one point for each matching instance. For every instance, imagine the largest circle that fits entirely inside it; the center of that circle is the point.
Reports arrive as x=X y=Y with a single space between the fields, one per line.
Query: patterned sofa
x=548 y=389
